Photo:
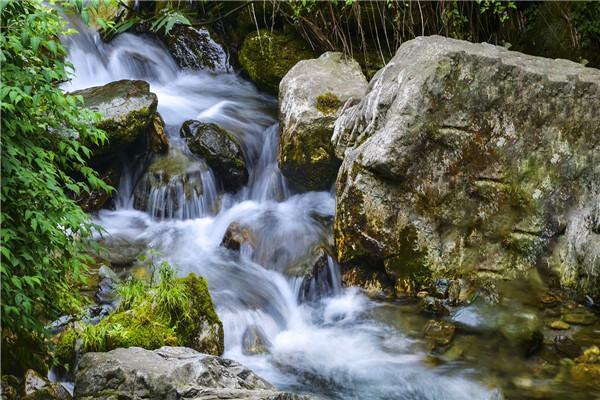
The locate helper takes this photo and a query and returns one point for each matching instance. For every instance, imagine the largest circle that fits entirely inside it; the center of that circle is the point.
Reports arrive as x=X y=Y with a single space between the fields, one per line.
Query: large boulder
x=221 y=151
x=127 y=108
x=267 y=56
x=193 y=48
x=469 y=159
x=311 y=96
x=169 y=373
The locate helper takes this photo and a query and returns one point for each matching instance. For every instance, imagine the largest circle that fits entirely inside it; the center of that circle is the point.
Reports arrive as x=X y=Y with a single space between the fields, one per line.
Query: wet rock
x=38 y=388
x=566 y=347
x=319 y=281
x=193 y=48
x=169 y=372
x=254 y=341
x=580 y=317
x=449 y=169
x=97 y=198
x=127 y=108
x=311 y=95
x=559 y=325
x=157 y=137
x=236 y=235
x=221 y=150
x=375 y=283
x=120 y=250
x=433 y=306
x=439 y=332
x=107 y=288
x=522 y=329
x=172 y=187
x=267 y=56
x=587 y=375
x=442 y=287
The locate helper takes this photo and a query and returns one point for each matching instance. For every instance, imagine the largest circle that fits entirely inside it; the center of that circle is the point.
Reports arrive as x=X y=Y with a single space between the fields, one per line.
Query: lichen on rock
x=486 y=157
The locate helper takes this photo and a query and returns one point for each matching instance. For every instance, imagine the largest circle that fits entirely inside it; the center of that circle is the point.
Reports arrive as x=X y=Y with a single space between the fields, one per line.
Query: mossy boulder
x=168 y=176
x=469 y=160
x=178 y=313
x=267 y=56
x=127 y=108
x=221 y=150
x=311 y=95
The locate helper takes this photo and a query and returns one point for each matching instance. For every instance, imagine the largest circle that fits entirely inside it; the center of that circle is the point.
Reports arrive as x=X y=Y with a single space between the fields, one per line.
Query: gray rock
x=311 y=95
x=221 y=151
x=107 y=287
x=467 y=159
x=127 y=108
x=37 y=387
x=193 y=48
x=168 y=373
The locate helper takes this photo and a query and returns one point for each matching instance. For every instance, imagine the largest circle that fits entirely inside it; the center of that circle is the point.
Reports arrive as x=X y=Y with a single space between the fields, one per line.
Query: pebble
x=559 y=325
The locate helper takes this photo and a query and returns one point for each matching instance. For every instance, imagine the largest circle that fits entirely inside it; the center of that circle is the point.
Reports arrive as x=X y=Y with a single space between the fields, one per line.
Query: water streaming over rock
x=330 y=345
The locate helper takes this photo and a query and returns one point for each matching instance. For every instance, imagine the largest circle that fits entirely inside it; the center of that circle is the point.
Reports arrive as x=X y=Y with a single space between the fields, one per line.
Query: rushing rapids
x=335 y=346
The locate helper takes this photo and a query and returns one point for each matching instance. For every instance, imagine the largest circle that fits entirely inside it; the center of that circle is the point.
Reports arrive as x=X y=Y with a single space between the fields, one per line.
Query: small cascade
x=175 y=186
x=321 y=338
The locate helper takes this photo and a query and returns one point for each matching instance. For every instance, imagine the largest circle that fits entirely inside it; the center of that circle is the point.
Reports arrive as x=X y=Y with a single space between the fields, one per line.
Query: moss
x=409 y=265
x=327 y=103
x=64 y=352
x=174 y=314
x=267 y=56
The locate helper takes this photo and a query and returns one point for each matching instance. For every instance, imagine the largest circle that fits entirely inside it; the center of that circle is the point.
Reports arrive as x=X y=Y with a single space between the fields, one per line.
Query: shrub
x=44 y=133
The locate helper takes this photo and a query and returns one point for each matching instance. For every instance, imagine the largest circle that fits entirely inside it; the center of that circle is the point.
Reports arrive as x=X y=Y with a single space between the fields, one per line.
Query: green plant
x=44 y=137
x=170 y=297
x=131 y=292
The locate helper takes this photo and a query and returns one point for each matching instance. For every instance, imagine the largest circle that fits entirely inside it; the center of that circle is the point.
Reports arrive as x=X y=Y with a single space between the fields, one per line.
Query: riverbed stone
x=440 y=333
x=169 y=373
x=567 y=347
x=311 y=95
x=559 y=325
x=580 y=317
x=254 y=341
x=237 y=235
x=127 y=108
x=466 y=160
x=268 y=55
x=221 y=150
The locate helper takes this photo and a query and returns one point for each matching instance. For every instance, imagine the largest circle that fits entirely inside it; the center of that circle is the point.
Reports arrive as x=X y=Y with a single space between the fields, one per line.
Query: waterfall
x=332 y=345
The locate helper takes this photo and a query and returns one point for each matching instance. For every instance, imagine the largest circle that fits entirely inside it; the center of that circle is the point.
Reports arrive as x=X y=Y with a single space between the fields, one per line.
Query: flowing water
x=334 y=346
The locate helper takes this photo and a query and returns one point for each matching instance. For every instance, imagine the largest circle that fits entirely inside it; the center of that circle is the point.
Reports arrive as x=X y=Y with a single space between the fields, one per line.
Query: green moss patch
x=174 y=312
x=267 y=56
x=327 y=103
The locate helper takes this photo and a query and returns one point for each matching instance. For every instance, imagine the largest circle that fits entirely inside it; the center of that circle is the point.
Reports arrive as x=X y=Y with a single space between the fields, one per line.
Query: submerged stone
x=439 y=332
x=580 y=317
x=559 y=325
x=254 y=341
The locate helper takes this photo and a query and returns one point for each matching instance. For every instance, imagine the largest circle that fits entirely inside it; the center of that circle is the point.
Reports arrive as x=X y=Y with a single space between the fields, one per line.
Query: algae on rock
x=267 y=56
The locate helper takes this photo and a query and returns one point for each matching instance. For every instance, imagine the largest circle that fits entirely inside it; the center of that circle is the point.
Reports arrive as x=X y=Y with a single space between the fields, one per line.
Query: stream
x=337 y=345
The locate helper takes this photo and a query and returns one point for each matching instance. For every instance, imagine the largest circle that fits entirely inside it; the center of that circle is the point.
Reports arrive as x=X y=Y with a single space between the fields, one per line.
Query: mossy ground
x=167 y=314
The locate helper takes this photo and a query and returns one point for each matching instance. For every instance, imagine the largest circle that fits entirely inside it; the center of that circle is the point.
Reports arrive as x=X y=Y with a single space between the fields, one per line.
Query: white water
x=329 y=347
